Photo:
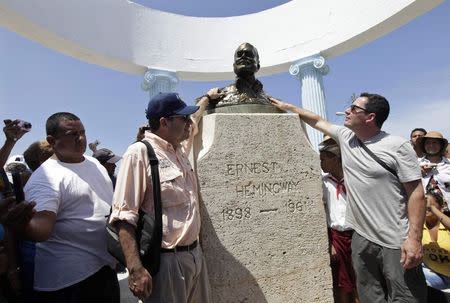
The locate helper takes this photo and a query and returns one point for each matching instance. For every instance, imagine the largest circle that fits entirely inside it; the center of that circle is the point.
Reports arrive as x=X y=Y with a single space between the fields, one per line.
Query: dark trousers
x=102 y=286
x=380 y=278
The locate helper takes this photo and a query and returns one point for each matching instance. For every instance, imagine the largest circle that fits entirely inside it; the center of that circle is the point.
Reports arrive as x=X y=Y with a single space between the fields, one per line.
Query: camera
x=24 y=125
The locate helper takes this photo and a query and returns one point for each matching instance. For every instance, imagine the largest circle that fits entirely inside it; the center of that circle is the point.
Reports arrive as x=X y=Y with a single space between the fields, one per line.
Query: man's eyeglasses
x=185 y=118
x=353 y=108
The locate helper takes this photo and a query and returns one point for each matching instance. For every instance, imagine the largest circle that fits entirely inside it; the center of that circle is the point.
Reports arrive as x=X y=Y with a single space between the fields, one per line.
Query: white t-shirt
x=377 y=200
x=80 y=195
x=441 y=174
x=336 y=204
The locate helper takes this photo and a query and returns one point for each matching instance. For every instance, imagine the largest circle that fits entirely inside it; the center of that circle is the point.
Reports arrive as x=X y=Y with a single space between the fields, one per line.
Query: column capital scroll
x=316 y=62
x=152 y=76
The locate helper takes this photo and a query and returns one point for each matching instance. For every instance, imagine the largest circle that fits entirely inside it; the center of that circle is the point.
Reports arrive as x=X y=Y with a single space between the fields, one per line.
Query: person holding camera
x=14 y=130
x=13 y=216
x=182 y=275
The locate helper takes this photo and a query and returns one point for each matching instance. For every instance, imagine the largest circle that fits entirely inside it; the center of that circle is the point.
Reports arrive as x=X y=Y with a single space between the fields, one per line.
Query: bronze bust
x=246 y=90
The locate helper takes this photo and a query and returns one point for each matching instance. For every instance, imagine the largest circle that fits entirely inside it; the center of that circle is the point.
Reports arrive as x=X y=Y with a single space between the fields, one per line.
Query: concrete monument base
x=264 y=228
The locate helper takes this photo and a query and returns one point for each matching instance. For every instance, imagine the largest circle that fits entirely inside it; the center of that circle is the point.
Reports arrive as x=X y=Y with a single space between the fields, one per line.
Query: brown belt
x=180 y=248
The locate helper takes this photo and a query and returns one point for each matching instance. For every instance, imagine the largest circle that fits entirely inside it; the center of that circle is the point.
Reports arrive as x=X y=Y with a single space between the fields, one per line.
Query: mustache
x=244 y=60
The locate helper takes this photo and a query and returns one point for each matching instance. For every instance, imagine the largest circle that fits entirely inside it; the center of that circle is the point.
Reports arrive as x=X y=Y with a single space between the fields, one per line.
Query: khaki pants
x=182 y=278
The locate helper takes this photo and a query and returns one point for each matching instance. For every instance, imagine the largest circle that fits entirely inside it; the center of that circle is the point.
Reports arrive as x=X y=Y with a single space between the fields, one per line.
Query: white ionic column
x=159 y=81
x=309 y=71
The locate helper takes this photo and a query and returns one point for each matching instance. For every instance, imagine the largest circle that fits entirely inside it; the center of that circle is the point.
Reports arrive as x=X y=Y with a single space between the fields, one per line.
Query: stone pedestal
x=264 y=228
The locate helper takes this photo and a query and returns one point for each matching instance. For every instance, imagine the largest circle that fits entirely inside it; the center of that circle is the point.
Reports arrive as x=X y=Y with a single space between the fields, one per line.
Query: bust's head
x=246 y=60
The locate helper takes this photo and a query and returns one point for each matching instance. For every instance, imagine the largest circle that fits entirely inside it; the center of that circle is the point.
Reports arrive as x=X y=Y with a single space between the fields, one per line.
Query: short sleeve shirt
x=441 y=174
x=336 y=203
x=377 y=201
x=80 y=195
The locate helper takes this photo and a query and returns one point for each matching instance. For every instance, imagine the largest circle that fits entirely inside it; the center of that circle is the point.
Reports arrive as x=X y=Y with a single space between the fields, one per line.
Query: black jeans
x=102 y=286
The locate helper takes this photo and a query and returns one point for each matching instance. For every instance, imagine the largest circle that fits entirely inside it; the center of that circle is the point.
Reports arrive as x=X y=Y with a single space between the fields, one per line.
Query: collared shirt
x=335 y=198
x=441 y=174
x=179 y=190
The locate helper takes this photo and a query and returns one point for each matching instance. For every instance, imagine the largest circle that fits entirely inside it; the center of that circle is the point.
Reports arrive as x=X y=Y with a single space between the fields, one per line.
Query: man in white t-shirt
x=73 y=195
x=386 y=208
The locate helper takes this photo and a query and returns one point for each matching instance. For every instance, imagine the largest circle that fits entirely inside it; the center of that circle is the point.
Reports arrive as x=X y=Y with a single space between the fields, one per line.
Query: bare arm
x=127 y=239
x=13 y=132
x=140 y=281
x=16 y=216
x=444 y=219
x=213 y=94
x=5 y=151
x=412 y=247
x=308 y=117
x=40 y=226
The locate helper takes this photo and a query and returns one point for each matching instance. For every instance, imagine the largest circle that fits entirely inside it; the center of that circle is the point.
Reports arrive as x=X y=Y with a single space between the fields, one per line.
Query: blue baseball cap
x=168 y=104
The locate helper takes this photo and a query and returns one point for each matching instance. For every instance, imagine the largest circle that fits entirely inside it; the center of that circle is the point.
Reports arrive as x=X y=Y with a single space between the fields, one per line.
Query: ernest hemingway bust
x=246 y=90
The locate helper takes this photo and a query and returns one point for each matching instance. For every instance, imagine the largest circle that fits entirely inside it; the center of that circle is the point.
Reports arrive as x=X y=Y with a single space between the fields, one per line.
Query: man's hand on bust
x=281 y=105
x=214 y=93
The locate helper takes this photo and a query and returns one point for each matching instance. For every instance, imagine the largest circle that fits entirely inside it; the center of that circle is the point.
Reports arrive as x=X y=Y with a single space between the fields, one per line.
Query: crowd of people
x=386 y=201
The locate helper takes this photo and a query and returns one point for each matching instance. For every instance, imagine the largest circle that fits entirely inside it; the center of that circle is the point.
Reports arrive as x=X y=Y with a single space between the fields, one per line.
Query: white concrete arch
x=128 y=37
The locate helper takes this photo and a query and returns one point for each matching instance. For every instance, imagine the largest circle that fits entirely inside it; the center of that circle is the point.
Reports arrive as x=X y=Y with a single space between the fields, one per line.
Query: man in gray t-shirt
x=386 y=208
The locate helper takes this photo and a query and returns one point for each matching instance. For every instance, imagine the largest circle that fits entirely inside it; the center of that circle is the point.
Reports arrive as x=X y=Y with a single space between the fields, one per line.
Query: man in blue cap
x=182 y=276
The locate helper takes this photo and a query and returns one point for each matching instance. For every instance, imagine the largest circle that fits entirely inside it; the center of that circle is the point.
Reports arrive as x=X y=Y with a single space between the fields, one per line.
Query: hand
x=412 y=253
x=141 y=132
x=281 y=105
x=214 y=93
x=140 y=282
x=16 y=216
x=426 y=169
x=5 y=204
x=12 y=130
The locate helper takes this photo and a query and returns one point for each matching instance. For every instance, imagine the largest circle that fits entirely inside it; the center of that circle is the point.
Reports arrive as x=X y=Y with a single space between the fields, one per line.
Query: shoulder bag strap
x=156 y=188
x=379 y=161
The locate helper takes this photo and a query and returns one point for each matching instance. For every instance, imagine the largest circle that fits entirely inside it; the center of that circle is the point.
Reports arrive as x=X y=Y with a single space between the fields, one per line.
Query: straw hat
x=434 y=135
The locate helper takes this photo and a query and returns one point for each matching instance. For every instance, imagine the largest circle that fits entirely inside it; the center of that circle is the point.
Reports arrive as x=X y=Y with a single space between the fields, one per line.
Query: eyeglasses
x=185 y=118
x=353 y=108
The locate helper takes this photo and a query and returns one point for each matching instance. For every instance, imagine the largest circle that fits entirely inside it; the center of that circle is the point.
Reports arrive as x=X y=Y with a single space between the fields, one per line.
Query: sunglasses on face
x=185 y=118
x=353 y=108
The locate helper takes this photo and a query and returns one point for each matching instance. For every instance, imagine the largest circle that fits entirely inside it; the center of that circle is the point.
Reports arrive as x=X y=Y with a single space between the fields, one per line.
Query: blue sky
x=410 y=66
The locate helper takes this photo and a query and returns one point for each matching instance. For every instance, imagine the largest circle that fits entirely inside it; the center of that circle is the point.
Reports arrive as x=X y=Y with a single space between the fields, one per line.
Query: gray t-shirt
x=377 y=201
